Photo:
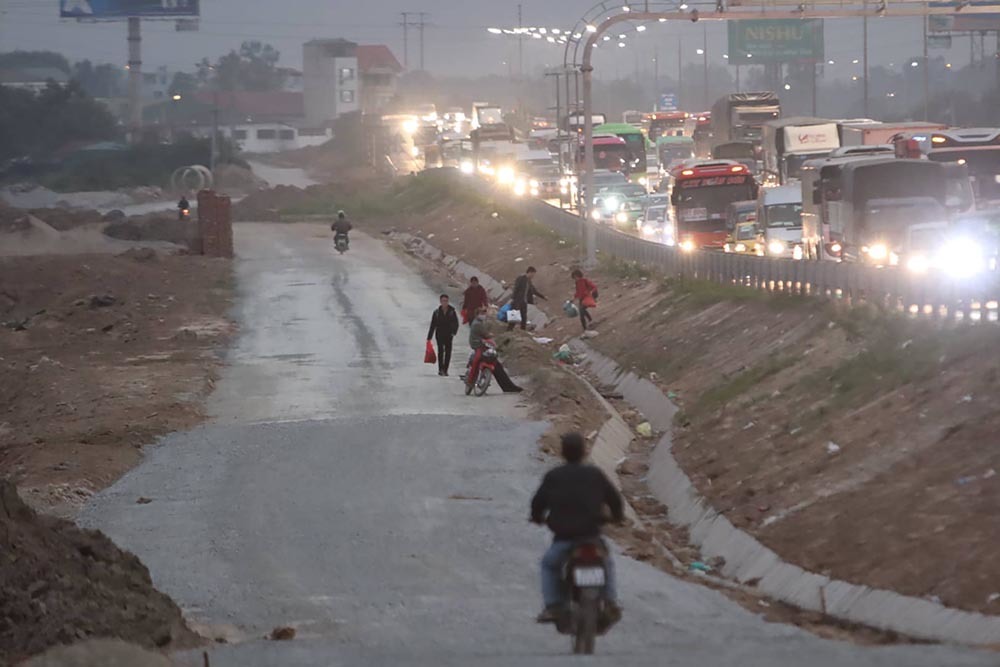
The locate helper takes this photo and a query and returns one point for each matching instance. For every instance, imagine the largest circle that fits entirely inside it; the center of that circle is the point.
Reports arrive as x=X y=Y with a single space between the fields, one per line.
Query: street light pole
x=704 y=53
x=927 y=75
x=864 y=31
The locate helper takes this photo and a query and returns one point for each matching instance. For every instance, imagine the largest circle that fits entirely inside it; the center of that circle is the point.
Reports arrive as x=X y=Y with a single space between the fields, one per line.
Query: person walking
x=523 y=294
x=586 y=297
x=444 y=326
x=474 y=298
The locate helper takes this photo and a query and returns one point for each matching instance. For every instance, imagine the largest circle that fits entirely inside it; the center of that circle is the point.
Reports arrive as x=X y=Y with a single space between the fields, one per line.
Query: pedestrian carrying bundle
x=429 y=356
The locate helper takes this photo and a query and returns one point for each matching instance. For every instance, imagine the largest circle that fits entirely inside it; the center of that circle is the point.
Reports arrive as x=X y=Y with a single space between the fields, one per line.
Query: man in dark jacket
x=523 y=294
x=475 y=297
x=571 y=500
x=342 y=227
x=444 y=326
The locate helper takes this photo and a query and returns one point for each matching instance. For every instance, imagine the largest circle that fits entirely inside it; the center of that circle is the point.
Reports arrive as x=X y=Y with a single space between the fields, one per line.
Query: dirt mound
x=265 y=204
x=28 y=235
x=98 y=653
x=233 y=178
x=59 y=584
x=156 y=227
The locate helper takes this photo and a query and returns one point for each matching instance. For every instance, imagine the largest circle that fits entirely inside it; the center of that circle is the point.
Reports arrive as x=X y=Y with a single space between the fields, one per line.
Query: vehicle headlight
x=648 y=229
x=505 y=175
x=878 y=251
x=643 y=181
x=835 y=248
x=687 y=245
x=797 y=252
x=917 y=264
x=410 y=126
x=534 y=192
x=621 y=217
x=741 y=247
x=534 y=183
x=776 y=247
x=961 y=258
x=563 y=189
x=612 y=204
x=520 y=189
x=595 y=214
x=467 y=167
x=414 y=151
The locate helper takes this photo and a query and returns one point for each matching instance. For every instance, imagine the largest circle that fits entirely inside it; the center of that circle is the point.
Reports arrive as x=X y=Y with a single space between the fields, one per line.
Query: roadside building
x=340 y=77
x=34 y=79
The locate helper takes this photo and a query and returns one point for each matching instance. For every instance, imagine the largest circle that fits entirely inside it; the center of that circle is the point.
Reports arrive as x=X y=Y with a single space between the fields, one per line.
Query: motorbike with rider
x=579 y=587
x=341 y=227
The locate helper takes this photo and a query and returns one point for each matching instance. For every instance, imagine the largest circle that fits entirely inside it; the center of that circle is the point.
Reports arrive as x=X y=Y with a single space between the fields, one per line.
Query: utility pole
x=680 y=69
x=406 y=39
x=927 y=73
x=815 y=66
x=656 y=71
x=704 y=55
x=421 y=26
x=520 y=46
x=864 y=31
x=135 y=77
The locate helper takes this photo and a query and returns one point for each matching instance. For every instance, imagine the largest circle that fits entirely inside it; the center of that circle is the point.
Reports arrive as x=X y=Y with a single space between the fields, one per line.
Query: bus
x=636 y=142
x=575 y=121
x=701 y=195
x=672 y=150
x=978 y=149
x=610 y=153
x=667 y=124
x=633 y=118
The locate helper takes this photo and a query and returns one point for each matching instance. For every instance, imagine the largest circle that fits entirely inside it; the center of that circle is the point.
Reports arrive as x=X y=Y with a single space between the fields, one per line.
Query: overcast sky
x=456 y=40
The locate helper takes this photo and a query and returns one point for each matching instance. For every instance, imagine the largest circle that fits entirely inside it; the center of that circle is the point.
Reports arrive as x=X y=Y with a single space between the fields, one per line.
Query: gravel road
x=345 y=489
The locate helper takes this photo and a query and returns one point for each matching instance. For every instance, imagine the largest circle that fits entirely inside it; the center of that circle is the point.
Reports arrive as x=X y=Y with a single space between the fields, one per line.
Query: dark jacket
x=475 y=297
x=341 y=226
x=444 y=325
x=571 y=498
x=524 y=291
x=478 y=330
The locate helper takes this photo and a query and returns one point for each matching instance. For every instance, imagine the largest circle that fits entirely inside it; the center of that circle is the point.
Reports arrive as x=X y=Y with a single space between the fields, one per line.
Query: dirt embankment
x=101 y=355
x=852 y=442
x=60 y=584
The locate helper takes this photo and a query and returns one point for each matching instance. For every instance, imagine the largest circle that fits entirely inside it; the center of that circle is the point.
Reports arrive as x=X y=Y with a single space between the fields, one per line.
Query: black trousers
x=524 y=316
x=585 y=316
x=444 y=353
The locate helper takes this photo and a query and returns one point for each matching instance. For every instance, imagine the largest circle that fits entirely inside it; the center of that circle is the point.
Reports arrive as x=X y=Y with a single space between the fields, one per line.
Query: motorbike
x=480 y=373
x=585 y=616
x=341 y=243
x=184 y=214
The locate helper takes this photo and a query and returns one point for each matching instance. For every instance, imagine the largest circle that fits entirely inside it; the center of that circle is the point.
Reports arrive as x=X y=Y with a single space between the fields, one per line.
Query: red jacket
x=584 y=288
x=475 y=297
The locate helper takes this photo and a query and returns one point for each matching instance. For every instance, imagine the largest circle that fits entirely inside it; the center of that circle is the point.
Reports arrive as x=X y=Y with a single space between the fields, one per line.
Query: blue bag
x=502 y=313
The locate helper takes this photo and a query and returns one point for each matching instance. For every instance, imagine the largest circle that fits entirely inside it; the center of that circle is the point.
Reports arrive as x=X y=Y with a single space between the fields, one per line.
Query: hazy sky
x=456 y=39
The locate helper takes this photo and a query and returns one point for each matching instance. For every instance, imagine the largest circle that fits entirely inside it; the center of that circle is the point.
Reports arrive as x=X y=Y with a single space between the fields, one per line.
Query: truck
x=861 y=209
x=976 y=148
x=488 y=124
x=868 y=134
x=779 y=218
x=787 y=143
x=740 y=116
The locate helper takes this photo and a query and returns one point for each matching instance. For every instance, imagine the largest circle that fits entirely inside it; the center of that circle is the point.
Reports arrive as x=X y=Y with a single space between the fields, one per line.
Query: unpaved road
x=343 y=488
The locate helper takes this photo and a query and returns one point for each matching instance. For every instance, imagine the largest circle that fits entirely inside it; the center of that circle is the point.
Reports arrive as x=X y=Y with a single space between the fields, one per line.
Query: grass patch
x=740 y=384
x=701 y=293
x=624 y=269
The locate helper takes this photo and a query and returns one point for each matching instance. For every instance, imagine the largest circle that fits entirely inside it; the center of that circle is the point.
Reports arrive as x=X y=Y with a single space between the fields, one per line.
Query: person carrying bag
x=586 y=295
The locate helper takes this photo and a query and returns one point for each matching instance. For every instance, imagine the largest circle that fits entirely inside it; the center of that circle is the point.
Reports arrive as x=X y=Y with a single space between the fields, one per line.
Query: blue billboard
x=114 y=9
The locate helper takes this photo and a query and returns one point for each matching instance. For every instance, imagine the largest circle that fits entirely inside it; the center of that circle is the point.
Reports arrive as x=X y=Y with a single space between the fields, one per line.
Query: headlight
x=621 y=217
x=520 y=189
x=741 y=247
x=643 y=181
x=505 y=175
x=534 y=183
x=797 y=252
x=878 y=251
x=835 y=248
x=534 y=192
x=467 y=167
x=776 y=247
x=648 y=230
x=410 y=126
x=595 y=214
x=687 y=245
x=612 y=204
x=414 y=151
x=563 y=189
x=961 y=258
x=918 y=264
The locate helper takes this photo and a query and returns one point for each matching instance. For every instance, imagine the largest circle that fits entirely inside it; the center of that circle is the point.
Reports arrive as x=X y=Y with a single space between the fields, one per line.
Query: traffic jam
x=742 y=178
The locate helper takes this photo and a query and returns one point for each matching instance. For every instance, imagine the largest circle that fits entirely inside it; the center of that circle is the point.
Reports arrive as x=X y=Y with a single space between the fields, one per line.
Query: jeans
x=444 y=354
x=585 y=316
x=552 y=584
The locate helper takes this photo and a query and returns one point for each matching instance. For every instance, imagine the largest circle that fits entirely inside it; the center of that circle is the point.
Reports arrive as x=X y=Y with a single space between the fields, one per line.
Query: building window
x=266 y=134
x=347 y=96
x=239 y=135
x=346 y=74
x=286 y=134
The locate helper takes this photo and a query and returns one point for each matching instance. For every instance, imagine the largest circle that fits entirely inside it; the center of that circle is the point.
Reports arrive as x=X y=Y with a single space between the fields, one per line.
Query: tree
x=184 y=83
x=17 y=59
x=100 y=81
x=253 y=67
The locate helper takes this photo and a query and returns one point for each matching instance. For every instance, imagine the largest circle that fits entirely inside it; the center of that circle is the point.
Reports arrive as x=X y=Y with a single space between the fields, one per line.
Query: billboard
x=117 y=9
x=762 y=41
x=667 y=102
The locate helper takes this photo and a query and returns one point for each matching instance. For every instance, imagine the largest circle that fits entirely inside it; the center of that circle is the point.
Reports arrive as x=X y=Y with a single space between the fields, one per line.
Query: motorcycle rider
x=478 y=332
x=341 y=227
x=570 y=500
x=183 y=208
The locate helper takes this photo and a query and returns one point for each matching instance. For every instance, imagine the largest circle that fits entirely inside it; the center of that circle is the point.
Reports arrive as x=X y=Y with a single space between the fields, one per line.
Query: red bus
x=701 y=194
x=667 y=123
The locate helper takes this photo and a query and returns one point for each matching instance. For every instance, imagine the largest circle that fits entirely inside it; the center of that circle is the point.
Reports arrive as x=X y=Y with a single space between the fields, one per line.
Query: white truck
x=779 y=219
x=787 y=143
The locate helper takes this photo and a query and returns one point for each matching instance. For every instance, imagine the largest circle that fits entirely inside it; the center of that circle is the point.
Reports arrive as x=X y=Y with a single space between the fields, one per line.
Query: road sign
x=117 y=9
x=760 y=41
x=938 y=41
x=667 y=102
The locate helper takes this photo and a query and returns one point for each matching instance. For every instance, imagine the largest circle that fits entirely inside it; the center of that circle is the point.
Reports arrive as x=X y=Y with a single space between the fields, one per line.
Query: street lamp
x=177 y=97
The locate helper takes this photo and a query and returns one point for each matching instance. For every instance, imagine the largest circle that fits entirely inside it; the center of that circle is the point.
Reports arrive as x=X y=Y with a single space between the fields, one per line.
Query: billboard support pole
x=135 y=77
x=864 y=31
x=927 y=74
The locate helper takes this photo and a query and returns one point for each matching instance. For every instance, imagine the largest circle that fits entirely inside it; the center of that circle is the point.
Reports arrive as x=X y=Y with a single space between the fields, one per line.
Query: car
x=623 y=205
x=655 y=224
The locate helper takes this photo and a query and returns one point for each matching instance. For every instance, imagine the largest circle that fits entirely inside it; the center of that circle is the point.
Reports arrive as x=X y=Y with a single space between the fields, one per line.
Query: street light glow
x=855 y=61
x=726 y=56
x=640 y=28
x=914 y=64
x=621 y=45
x=788 y=86
x=495 y=31
x=830 y=62
x=626 y=8
x=177 y=97
x=591 y=27
x=700 y=52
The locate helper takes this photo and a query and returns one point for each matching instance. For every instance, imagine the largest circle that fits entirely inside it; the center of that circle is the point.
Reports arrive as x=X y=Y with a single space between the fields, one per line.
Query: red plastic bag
x=429 y=356
x=588 y=302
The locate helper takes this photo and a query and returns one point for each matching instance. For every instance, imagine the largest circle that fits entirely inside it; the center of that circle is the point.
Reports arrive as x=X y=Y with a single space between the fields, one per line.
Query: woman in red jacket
x=586 y=297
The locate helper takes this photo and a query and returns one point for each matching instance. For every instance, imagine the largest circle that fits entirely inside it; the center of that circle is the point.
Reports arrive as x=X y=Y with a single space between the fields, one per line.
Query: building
x=34 y=79
x=329 y=79
x=341 y=77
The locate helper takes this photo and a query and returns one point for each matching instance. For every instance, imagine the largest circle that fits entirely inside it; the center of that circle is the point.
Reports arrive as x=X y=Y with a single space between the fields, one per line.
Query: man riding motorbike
x=183 y=208
x=479 y=332
x=570 y=500
x=341 y=227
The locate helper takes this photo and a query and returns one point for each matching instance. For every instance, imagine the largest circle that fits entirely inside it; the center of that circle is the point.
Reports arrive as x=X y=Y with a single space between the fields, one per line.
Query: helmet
x=341 y=215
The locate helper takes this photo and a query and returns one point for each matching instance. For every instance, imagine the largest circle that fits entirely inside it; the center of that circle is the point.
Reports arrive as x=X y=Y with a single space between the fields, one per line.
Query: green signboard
x=761 y=41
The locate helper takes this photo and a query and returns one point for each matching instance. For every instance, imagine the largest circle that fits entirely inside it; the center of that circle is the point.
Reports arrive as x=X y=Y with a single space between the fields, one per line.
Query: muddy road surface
x=344 y=489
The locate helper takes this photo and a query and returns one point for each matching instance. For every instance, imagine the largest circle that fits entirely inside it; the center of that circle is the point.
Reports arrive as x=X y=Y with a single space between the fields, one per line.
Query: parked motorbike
x=586 y=615
x=481 y=370
x=341 y=243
